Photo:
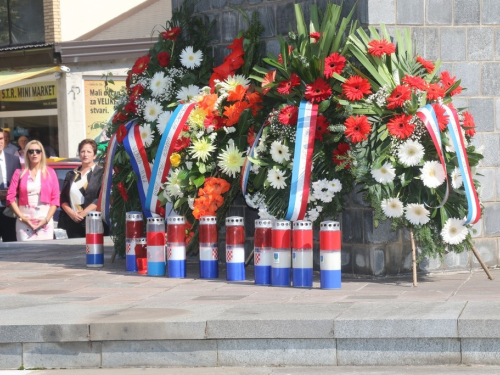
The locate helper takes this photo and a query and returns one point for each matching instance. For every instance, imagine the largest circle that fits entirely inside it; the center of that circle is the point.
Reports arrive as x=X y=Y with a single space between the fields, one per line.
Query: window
x=21 y=22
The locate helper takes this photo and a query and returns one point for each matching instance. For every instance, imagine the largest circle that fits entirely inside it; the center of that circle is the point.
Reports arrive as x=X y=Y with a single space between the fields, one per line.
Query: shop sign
x=42 y=95
x=98 y=106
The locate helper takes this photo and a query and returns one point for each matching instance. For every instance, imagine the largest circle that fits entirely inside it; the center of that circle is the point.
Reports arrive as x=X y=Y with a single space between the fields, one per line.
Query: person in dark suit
x=8 y=165
x=80 y=191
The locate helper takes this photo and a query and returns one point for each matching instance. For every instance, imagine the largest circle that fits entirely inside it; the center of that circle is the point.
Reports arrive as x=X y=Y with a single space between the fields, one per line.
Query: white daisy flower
x=231 y=82
x=327 y=196
x=152 y=110
x=158 y=84
x=279 y=152
x=185 y=94
x=454 y=231
x=384 y=174
x=392 y=207
x=456 y=178
x=191 y=59
x=334 y=186
x=162 y=121
x=146 y=135
x=276 y=178
x=411 y=153
x=201 y=149
x=417 y=214
x=433 y=174
x=231 y=160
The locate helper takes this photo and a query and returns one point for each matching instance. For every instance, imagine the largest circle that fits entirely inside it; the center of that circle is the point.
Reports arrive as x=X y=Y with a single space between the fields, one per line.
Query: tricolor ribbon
x=136 y=151
x=161 y=166
x=302 y=162
x=103 y=203
x=428 y=117
x=474 y=208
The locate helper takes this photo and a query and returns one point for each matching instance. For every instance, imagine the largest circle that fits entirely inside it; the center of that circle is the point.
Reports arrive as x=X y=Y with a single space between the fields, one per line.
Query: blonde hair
x=27 y=163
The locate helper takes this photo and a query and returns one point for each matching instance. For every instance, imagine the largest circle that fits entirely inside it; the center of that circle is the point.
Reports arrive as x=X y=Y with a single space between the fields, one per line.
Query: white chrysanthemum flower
x=185 y=94
x=312 y=215
x=173 y=187
x=231 y=160
x=162 y=121
x=190 y=58
x=279 y=152
x=456 y=178
x=411 y=153
x=454 y=231
x=334 y=186
x=263 y=214
x=384 y=174
x=158 y=84
x=201 y=148
x=146 y=135
x=276 y=178
x=327 y=196
x=392 y=207
x=231 y=82
x=417 y=214
x=433 y=174
x=152 y=110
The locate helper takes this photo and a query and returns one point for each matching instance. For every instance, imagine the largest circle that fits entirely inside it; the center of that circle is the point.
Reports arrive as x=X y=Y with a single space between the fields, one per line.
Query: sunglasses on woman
x=31 y=152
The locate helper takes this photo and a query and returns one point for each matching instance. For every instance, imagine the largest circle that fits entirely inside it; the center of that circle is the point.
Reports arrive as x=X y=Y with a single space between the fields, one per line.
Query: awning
x=10 y=78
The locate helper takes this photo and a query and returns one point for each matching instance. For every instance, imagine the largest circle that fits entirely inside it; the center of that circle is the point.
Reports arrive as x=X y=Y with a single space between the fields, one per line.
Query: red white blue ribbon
x=103 y=201
x=135 y=149
x=474 y=208
x=428 y=117
x=302 y=161
x=161 y=167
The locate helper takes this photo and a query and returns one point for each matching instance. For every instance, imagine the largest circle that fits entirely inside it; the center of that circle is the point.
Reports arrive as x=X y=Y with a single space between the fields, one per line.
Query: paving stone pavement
x=57 y=313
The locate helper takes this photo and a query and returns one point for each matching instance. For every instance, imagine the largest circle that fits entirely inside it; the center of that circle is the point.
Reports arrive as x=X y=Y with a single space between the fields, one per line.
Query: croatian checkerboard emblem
x=257 y=258
x=87 y=249
x=215 y=252
x=229 y=255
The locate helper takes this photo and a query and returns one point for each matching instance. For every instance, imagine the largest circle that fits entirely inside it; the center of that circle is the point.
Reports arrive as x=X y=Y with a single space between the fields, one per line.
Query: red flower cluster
x=285 y=87
x=448 y=81
x=141 y=64
x=428 y=65
x=469 y=125
x=318 y=91
x=341 y=151
x=400 y=126
x=414 y=82
x=434 y=91
x=334 y=63
x=315 y=36
x=210 y=197
x=163 y=59
x=442 y=118
x=121 y=133
x=355 y=88
x=321 y=128
x=382 y=47
x=357 y=128
x=231 y=64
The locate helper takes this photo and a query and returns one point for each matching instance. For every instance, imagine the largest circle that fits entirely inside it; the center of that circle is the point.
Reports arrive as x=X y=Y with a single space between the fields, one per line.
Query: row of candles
x=283 y=251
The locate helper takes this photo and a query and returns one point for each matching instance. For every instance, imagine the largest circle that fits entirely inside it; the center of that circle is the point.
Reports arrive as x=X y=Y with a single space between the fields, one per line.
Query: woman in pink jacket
x=36 y=189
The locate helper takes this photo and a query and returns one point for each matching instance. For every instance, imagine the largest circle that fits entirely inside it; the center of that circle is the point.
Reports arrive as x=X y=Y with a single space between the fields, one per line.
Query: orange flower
x=268 y=79
x=208 y=103
x=238 y=94
x=233 y=112
x=217 y=185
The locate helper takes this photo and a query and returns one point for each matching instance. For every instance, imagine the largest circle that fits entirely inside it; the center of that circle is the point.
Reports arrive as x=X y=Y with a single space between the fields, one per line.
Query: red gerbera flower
x=434 y=91
x=268 y=80
x=288 y=115
x=163 y=59
x=321 y=127
x=398 y=96
x=171 y=34
x=342 y=150
x=357 y=128
x=315 y=36
x=355 y=88
x=285 y=87
x=400 y=126
x=428 y=65
x=137 y=90
x=318 y=91
x=414 y=82
x=334 y=63
x=141 y=64
x=121 y=133
x=469 y=124
x=381 y=47
x=123 y=191
x=441 y=116
x=448 y=81
x=212 y=120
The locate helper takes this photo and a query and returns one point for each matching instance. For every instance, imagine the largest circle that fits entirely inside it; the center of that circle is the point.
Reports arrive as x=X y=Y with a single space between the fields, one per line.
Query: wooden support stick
x=413 y=257
x=478 y=257
x=247 y=262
